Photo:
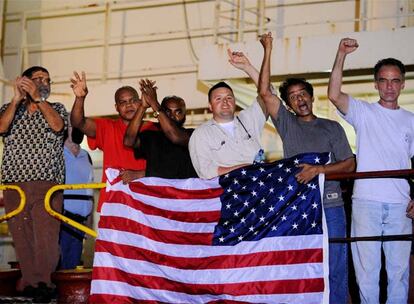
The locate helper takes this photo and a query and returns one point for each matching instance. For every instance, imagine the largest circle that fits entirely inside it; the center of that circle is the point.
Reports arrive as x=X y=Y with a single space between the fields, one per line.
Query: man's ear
x=116 y=107
x=209 y=107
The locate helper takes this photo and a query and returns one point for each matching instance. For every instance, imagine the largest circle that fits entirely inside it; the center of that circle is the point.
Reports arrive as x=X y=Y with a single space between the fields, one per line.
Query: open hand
x=78 y=85
x=128 y=176
x=308 y=173
x=410 y=209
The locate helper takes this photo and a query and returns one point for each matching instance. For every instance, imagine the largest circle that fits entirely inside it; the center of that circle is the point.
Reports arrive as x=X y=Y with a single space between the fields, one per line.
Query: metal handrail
x=63 y=218
x=21 y=204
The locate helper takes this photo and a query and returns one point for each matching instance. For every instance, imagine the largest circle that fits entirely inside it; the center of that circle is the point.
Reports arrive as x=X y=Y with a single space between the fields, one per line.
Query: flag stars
x=295 y=226
x=243 y=220
x=244 y=188
x=251 y=229
x=313 y=186
x=235 y=181
x=294 y=207
x=261 y=184
x=263 y=201
x=303 y=197
x=221 y=239
x=232 y=230
x=235 y=195
x=274 y=228
x=228 y=190
x=269 y=175
x=290 y=187
x=228 y=206
x=253 y=210
x=225 y=223
x=317 y=160
x=281 y=198
x=261 y=169
x=246 y=204
x=280 y=179
x=287 y=170
x=280 y=165
x=243 y=172
x=254 y=178
x=315 y=205
x=284 y=218
x=240 y=238
x=304 y=215
x=254 y=193
x=271 y=209
x=262 y=218
x=271 y=190
x=296 y=161
x=226 y=176
x=313 y=224
x=236 y=213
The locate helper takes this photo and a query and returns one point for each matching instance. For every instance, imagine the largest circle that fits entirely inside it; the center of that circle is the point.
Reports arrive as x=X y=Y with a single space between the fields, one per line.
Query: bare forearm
x=78 y=119
x=54 y=120
x=174 y=133
x=253 y=73
x=271 y=102
x=344 y=166
x=131 y=134
x=335 y=94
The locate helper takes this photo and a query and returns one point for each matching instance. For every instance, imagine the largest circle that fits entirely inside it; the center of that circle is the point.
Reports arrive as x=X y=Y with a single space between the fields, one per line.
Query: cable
x=187 y=28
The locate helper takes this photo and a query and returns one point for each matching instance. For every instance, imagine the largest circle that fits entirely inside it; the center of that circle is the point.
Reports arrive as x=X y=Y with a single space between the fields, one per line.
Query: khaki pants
x=35 y=233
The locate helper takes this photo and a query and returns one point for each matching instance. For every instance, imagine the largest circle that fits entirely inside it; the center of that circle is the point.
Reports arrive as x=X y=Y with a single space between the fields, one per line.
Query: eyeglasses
x=39 y=80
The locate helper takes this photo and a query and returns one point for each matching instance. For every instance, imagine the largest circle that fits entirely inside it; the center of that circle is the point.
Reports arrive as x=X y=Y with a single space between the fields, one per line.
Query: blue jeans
x=371 y=218
x=71 y=245
x=338 y=255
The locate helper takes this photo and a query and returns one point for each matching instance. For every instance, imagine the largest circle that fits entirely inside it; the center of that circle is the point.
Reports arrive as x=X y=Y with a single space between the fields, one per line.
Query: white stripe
x=263 y=245
x=184 y=184
x=211 y=276
x=154 y=221
x=186 y=205
x=142 y=293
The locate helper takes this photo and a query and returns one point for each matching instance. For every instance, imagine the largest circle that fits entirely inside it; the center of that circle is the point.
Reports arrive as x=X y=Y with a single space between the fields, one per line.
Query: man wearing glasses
x=33 y=130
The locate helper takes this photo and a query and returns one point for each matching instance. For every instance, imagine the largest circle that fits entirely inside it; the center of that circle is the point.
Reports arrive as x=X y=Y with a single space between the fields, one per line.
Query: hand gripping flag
x=251 y=236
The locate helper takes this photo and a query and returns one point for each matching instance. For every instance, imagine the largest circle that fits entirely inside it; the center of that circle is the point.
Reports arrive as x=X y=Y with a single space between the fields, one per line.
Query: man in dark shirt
x=166 y=149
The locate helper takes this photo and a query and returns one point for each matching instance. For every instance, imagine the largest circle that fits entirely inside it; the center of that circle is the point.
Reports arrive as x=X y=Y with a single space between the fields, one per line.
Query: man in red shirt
x=107 y=134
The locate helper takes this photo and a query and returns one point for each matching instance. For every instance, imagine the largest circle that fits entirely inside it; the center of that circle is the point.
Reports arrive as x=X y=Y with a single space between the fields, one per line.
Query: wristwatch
x=37 y=101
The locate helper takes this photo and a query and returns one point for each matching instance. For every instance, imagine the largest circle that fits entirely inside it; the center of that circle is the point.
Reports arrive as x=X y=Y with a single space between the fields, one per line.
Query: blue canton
x=265 y=200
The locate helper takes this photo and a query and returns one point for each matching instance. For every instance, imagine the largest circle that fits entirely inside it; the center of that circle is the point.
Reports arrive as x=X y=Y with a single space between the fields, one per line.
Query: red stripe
x=233 y=289
x=283 y=257
x=171 y=192
x=165 y=236
x=114 y=299
x=182 y=216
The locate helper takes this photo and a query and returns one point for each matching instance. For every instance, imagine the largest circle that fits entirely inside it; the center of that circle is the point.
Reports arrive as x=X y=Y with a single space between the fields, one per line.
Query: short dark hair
x=170 y=97
x=29 y=72
x=283 y=89
x=220 y=84
x=126 y=88
x=389 y=61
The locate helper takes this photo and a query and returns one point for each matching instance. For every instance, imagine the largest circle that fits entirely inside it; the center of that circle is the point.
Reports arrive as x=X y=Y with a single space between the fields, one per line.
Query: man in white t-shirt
x=227 y=141
x=381 y=206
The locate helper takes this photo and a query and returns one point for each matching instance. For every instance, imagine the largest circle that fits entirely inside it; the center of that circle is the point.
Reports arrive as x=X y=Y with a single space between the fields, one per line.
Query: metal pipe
x=63 y=218
x=21 y=204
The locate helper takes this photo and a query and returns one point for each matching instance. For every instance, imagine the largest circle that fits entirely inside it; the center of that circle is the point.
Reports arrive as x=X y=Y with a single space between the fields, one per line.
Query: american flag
x=251 y=236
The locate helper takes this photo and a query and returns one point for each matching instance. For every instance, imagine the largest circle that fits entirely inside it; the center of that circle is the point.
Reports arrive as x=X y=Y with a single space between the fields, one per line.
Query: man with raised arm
x=33 y=131
x=302 y=132
x=228 y=141
x=385 y=141
x=165 y=149
x=108 y=134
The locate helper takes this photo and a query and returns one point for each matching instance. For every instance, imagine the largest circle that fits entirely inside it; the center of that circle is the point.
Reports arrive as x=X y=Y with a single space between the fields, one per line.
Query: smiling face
x=300 y=101
x=223 y=104
x=389 y=83
x=126 y=105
